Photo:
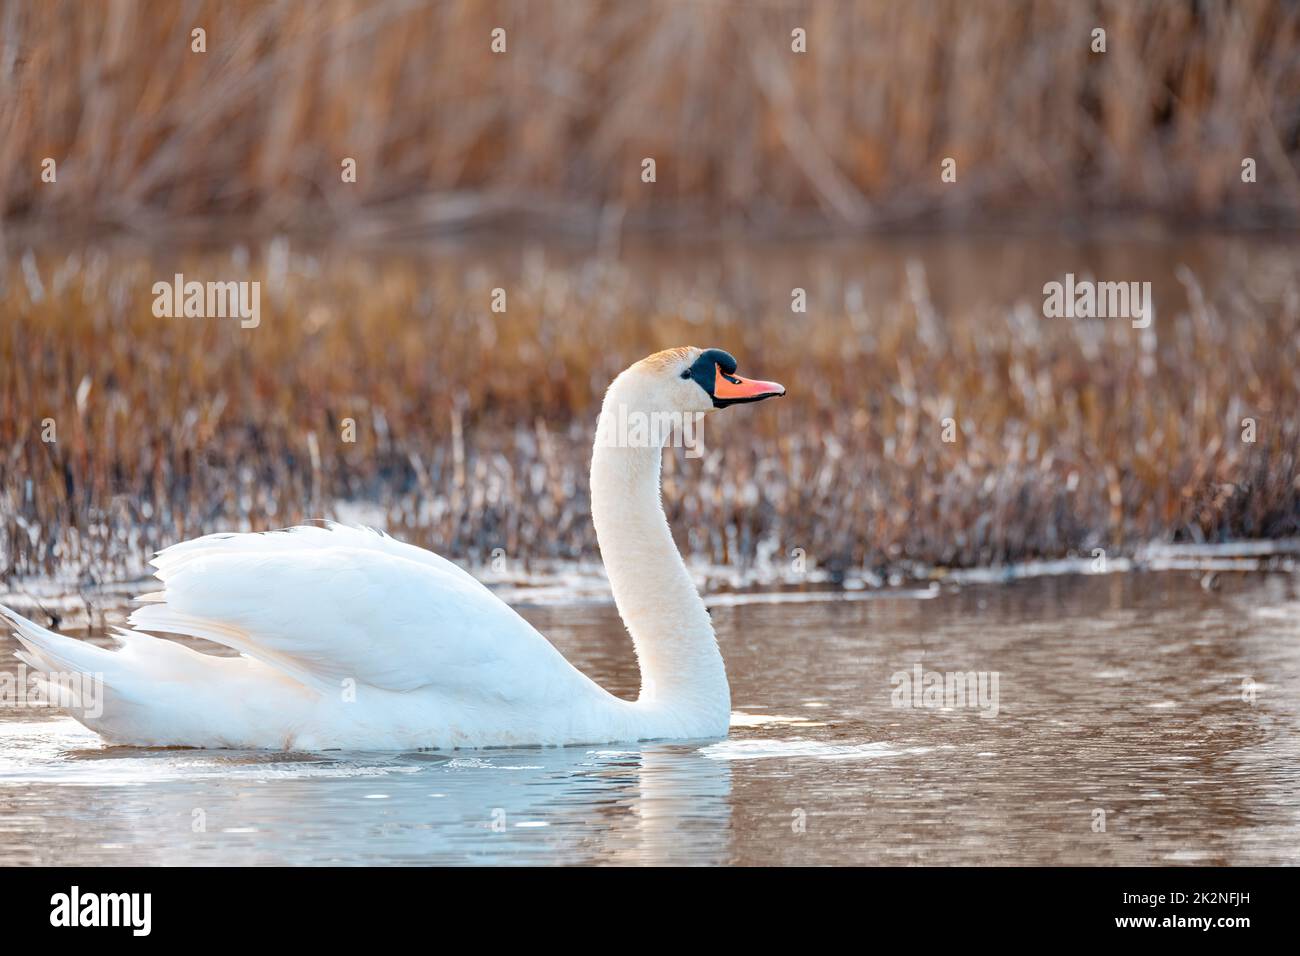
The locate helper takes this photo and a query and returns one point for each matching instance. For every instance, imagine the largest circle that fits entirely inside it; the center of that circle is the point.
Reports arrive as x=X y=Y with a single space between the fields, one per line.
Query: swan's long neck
x=682 y=674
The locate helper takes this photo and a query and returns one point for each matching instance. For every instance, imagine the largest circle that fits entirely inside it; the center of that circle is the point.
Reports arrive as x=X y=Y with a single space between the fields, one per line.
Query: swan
x=350 y=639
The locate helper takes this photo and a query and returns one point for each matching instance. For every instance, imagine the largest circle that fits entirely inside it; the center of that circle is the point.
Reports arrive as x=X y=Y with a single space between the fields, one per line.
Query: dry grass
x=474 y=429
x=153 y=137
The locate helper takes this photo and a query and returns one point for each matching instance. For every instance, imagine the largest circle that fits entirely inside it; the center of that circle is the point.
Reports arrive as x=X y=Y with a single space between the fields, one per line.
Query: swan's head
x=687 y=380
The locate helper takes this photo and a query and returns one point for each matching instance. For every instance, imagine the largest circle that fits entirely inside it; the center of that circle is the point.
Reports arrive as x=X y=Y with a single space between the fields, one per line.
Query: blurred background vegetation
x=775 y=171
x=151 y=136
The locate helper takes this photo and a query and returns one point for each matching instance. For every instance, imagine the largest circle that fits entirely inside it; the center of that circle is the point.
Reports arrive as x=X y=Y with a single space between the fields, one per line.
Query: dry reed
x=152 y=137
x=473 y=429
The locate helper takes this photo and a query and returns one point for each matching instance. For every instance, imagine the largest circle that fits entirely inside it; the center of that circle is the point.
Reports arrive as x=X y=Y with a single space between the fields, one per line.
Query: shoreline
x=583 y=583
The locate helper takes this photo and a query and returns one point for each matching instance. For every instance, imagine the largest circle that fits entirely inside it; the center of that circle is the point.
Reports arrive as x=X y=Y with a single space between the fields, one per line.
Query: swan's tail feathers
x=69 y=672
x=147 y=691
x=47 y=650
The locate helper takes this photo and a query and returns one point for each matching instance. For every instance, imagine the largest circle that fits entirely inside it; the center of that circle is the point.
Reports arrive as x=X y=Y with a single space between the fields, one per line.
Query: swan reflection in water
x=632 y=804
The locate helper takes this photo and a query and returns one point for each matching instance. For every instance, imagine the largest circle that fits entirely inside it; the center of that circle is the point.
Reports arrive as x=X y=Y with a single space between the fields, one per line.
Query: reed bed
x=473 y=429
x=746 y=134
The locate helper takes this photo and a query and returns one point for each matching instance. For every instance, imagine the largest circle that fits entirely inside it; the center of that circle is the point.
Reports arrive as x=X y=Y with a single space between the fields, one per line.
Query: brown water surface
x=1140 y=719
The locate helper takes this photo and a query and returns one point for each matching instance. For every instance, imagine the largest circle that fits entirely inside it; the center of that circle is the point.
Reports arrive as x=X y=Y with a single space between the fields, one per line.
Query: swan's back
x=331 y=604
x=342 y=628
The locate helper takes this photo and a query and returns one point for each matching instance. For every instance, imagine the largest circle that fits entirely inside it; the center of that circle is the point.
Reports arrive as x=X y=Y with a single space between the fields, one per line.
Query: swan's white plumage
x=348 y=638
x=327 y=605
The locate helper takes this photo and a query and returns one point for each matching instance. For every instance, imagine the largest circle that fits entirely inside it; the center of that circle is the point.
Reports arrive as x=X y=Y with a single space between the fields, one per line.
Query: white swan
x=350 y=639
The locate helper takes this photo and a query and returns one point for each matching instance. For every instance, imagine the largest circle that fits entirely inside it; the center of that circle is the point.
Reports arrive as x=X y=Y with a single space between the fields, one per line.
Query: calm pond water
x=1145 y=702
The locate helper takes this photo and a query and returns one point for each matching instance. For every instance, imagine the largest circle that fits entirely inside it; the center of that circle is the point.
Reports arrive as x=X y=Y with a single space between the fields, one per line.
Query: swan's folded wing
x=329 y=605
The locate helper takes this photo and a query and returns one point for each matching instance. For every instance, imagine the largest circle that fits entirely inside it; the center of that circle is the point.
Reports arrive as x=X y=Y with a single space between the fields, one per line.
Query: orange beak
x=734 y=390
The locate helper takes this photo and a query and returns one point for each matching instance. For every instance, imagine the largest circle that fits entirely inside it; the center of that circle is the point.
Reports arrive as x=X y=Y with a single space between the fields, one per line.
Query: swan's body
x=350 y=639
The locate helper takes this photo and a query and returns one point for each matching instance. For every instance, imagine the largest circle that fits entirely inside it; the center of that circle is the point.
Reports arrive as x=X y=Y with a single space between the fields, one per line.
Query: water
x=1123 y=699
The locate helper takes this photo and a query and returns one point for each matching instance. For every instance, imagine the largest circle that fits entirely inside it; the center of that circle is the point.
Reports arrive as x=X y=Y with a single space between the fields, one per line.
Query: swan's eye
x=686 y=374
